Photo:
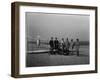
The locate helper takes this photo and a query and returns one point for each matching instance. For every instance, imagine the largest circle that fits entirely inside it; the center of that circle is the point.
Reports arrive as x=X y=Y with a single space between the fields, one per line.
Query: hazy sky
x=57 y=25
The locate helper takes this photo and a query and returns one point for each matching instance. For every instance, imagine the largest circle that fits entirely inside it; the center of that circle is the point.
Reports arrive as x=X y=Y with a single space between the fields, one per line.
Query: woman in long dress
x=38 y=41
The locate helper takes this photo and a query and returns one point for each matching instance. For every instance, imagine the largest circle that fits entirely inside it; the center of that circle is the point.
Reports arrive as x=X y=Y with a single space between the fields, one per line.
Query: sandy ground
x=47 y=59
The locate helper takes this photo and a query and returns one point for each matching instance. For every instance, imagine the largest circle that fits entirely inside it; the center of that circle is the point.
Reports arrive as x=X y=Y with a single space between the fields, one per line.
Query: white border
x=52 y=69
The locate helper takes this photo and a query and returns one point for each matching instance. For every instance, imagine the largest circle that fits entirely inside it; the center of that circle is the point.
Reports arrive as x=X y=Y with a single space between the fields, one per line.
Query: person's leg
x=63 y=49
x=77 y=52
x=67 y=50
x=72 y=51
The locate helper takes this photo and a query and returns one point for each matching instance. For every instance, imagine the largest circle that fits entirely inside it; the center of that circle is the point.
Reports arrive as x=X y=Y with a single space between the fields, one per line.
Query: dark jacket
x=51 y=43
x=56 y=43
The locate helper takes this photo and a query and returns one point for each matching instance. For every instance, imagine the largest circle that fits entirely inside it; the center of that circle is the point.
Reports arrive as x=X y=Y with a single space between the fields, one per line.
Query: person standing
x=51 y=43
x=77 y=45
x=67 y=45
x=38 y=41
x=56 y=43
x=71 y=45
x=63 y=44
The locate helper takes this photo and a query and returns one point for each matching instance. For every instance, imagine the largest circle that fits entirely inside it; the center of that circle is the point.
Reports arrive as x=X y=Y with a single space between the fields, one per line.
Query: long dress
x=38 y=42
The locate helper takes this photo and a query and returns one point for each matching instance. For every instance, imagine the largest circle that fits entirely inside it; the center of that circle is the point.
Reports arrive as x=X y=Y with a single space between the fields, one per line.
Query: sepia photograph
x=55 y=39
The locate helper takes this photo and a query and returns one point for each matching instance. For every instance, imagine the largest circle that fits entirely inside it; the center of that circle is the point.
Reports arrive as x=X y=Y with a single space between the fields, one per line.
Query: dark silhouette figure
x=77 y=46
x=72 y=45
x=67 y=45
x=56 y=44
x=51 y=43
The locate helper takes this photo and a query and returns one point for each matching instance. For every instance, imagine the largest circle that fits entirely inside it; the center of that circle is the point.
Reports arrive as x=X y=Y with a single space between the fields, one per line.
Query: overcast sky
x=57 y=25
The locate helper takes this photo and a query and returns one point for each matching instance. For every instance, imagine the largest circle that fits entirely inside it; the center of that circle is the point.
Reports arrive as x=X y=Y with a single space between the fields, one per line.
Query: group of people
x=64 y=45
